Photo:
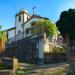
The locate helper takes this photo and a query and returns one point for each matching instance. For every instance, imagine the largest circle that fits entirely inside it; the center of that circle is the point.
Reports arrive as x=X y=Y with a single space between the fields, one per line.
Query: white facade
x=20 y=19
x=22 y=22
x=11 y=33
x=28 y=25
x=18 y=24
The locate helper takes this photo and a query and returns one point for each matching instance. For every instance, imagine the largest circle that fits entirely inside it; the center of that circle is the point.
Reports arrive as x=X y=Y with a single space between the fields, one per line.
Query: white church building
x=22 y=43
x=23 y=22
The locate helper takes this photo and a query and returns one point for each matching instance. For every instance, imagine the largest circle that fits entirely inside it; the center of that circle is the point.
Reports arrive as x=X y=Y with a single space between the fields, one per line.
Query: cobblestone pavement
x=49 y=71
x=53 y=70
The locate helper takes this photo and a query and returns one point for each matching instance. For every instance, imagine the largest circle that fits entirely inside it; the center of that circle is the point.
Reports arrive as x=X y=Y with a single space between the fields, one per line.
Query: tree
x=3 y=39
x=44 y=26
x=66 y=23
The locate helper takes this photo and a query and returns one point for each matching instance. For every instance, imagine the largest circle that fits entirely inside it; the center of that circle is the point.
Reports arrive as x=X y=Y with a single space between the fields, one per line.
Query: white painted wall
x=19 y=26
x=28 y=25
x=11 y=33
x=41 y=49
x=43 y=46
x=46 y=46
x=25 y=17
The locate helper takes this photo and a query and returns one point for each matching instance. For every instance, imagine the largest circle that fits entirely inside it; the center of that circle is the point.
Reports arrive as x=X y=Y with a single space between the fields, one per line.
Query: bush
x=3 y=66
x=58 y=49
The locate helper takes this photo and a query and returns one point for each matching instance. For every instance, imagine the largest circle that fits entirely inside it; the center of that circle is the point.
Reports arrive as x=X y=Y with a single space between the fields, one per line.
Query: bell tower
x=20 y=18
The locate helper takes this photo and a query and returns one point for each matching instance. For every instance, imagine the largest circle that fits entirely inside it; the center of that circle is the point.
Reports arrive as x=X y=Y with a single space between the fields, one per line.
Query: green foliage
x=3 y=35
x=60 y=72
x=57 y=49
x=0 y=27
x=66 y=23
x=3 y=38
x=3 y=66
x=44 y=26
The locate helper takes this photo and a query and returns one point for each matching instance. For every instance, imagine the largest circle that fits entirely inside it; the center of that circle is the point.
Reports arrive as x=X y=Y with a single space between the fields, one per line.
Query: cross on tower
x=33 y=10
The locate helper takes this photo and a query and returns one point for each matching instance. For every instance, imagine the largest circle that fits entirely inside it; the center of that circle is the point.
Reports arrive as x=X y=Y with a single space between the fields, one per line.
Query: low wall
x=55 y=57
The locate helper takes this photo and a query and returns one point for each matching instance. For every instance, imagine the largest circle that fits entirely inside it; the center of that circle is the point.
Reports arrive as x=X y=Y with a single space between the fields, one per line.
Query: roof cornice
x=11 y=28
x=22 y=12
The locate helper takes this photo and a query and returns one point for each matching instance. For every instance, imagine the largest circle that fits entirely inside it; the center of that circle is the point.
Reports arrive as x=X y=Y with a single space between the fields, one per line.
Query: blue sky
x=46 y=8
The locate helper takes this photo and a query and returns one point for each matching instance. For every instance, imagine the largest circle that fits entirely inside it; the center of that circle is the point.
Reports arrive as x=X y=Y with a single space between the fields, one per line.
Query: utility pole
x=33 y=10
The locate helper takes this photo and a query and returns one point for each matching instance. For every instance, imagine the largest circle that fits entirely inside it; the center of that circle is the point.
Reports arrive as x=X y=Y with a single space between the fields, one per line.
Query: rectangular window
x=27 y=31
x=19 y=19
x=27 y=18
x=19 y=32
